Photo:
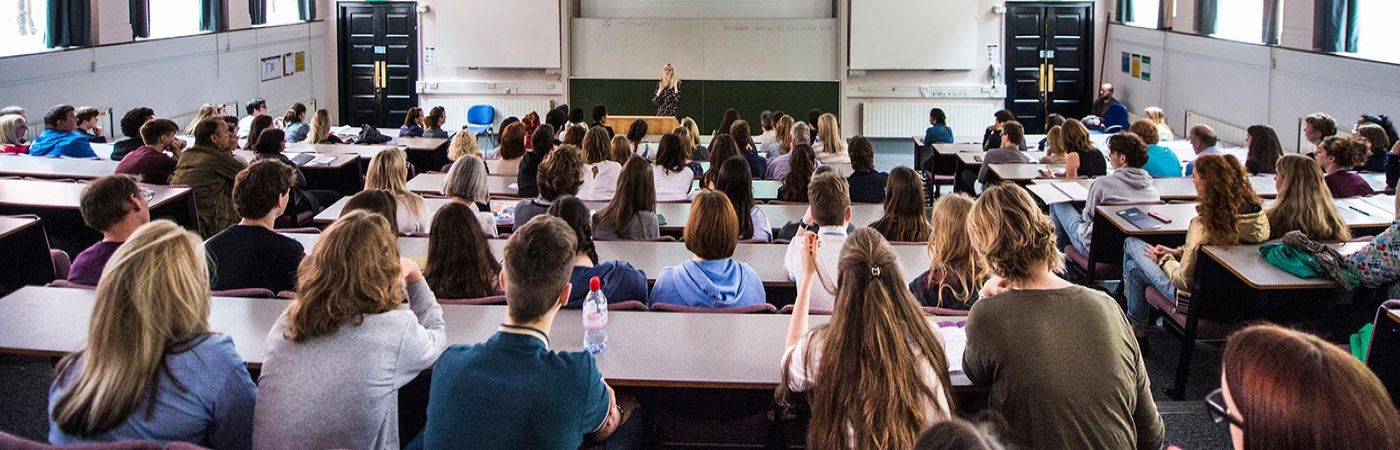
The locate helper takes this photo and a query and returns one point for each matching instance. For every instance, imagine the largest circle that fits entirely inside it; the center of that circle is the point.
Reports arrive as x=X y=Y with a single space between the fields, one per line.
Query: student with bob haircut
x=867 y=184
x=600 y=172
x=1129 y=184
x=115 y=206
x=830 y=210
x=541 y=143
x=734 y=181
x=250 y=254
x=801 y=165
x=673 y=177
x=1264 y=149
x=1282 y=389
x=631 y=214
x=635 y=133
x=954 y=273
x=620 y=281
x=1338 y=156
x=463 y=144
x=151 y=369
x=904 y=219
x=1303 y=203
x=1025 y=302
x=830 y=147
x=510 y=390
x=465 y=184
x=712 y=278
x=877 y=331
x=412 y=123
x=460 y=264
x=561 y=173
x=574 y=135
x=345 y=345
x=511 y=150
x=388 y=171
x=12 y=130
x=1161 y=161
x=149 y=162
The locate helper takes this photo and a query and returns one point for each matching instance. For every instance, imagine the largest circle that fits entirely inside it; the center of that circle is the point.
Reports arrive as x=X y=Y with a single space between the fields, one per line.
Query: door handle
x=1040 y=79
x=383 y=74
x=376 y=75
x=1050 y=86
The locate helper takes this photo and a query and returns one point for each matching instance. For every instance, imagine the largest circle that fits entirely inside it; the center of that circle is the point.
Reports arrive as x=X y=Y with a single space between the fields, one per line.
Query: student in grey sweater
x=1128 y=184
x=1013 y=138
x=339 y=354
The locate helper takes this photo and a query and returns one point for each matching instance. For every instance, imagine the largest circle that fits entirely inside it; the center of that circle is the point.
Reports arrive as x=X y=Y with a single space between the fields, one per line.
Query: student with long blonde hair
x=206 y=111
x=830 y=147
x=338 y=355
x=954 y=272
x=152 y=369
x=1054 y=147
x=1158 y=119
x=782 y=138
x=388 y=170
x=904 y=219
x=876 y=332
x=320 y=132
x=463 y=144
x=696 y=145
x=1303 y=203
x=1015 y=329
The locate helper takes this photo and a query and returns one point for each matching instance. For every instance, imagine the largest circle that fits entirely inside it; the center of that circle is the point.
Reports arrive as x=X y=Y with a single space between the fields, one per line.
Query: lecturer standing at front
x=668 y=92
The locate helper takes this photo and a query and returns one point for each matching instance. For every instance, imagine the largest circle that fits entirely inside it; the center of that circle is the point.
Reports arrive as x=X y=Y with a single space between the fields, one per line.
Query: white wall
x=1244 y=84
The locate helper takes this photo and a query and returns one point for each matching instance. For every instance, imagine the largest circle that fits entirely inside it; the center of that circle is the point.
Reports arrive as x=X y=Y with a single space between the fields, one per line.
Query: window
x=170 y=18
x=24 y=26
x=1145 y=13
x=281 y=12
x=1240 y=20
x=1379 y=37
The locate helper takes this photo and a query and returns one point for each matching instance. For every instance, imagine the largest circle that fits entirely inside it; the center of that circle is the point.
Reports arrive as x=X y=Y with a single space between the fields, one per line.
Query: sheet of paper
x=954 y=344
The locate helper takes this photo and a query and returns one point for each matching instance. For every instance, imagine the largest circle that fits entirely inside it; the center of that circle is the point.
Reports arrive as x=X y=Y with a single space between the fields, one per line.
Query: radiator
x=1226 y=132
x=901 y=119
x=505 y=107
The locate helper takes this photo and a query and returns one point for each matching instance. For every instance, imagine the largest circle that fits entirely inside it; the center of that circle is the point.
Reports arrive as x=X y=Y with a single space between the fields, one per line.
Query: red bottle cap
x=594 y=284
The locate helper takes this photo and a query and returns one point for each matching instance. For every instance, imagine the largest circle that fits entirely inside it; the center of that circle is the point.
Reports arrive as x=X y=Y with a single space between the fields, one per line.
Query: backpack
x=371 y=135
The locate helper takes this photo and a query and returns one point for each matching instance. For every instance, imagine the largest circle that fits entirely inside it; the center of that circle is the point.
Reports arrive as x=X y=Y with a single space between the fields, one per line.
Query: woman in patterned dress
x=668 y=92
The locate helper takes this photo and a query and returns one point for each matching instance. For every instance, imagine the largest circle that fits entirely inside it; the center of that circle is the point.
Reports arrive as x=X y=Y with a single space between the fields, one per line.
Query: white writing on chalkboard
x=631 y=23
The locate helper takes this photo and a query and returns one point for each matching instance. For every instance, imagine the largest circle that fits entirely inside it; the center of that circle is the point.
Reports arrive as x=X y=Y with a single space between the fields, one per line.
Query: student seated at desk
x=1303 y=203
x=466 y=184
x=575 y=121
x=1274 y=382
x=1013 y=139
x=1378 y=263
x=954 y=273
x=992 y=137
x=874 y=313
x=1082 y=160
x=781 y=142
x=255 y=108
x=600 y=119
x=831 y=213
x=1162 y=162
x=600 y=172
x=712 y=278
x=635 y=134
x=1054 y=146
x=513 y=391
x=149 y=162
x=737 y=186
x=373 y=201
x=87 y=124
x=1379 y=144
x=1051 y=122
x=672 y=175
x=779 y=167
x=722 y=147
x=938 y=131
x=621 y=149
x=830 y=147
x=388 y=170
x=1129 y=184
x=758 y=165
x=561 y=173
x=631 y=214
x=526 y=180
x=208 y=168
x=620 y=281
x=511 y=151
x=1012 y=330
x=1229 y=213
x=904 y=219
x=250 y=254
x=1338 y=157
x=271 y=142
x=433 y=123
x=699 y=152
x=151 y=369
x=801 y=168
x=59 y=138
x=687 y=143
x=765 y=126
x=460 y=264
x=320 y=130
x=1158 y=118
x=294 y=123
x=12 y=131
x=867 y=184
x=338 y=355
x=259 y=124
x=131 y=128
x=1203 y=142
x=1264 y=149
x=412 y=123
x=115 y=206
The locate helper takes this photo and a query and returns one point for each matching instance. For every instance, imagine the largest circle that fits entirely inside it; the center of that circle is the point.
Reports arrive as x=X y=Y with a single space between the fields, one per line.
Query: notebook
x=1140 y=219
x=302 y=158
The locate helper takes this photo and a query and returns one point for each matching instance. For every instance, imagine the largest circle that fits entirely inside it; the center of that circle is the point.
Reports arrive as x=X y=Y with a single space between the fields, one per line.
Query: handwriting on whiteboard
x=645 y=24
x=776 y=27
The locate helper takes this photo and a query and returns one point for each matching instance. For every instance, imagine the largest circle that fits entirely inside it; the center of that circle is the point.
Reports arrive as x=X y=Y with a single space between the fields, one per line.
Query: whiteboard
x=708 y=49
x=914 y=35
x=521 y=34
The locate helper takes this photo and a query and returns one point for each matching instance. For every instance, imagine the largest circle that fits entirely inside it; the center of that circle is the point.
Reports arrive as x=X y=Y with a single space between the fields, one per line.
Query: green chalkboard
x=706 y=100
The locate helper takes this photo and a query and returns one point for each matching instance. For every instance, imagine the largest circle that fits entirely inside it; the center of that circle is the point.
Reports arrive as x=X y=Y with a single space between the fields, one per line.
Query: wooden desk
x=1245 y=263
x=1180 y=213
x=55 y=168
x=1048 y=194
x=26 y=250
x=422 y=144
x=341 y=175
x=645 y=349
x=57 y=204
x=975 y=158
x=655 y=124
x=364 y=151
x=1382 y=204
x=1021 y=173
x=954 y=149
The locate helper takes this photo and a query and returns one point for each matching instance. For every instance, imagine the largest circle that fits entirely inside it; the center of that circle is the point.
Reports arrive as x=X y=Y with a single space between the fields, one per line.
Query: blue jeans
x=1139 y=272
x=1067 y=221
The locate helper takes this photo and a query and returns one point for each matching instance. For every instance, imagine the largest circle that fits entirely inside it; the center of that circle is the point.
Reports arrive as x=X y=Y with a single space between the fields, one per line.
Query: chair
x=1102 y=270
x=1382 y=349
x=62 y=283
x=492 y=300
x=12 y=442
x=289 y=295
x=480 y=118
x=61 y=263
x=245 y=293
x=627 y=305
x=761 y=308
x=939 y=311
x=1116 y=115
x=812 y=311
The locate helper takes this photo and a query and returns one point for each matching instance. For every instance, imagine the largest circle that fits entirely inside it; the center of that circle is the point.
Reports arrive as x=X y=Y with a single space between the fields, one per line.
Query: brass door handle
x=1040 y=80
x=1050 y=86
x=383 y=76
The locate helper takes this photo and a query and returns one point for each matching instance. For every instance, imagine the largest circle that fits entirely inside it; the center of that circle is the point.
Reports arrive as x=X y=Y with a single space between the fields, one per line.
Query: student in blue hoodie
x=621 y=281
x=59 y=139
x=713 y=279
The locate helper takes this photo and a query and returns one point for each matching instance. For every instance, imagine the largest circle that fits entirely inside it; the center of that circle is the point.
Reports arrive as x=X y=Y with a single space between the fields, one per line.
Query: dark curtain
x=1273 y=22
x=307 y=8
x=69 y=23
x=1336 y=29
x=1206 y=12
x=140 y=18
x=257 y=10
x=1125 y=10
x=212 y=16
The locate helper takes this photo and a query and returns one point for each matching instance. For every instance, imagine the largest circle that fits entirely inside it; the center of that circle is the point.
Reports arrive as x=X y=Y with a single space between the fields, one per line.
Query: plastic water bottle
x=595 y=318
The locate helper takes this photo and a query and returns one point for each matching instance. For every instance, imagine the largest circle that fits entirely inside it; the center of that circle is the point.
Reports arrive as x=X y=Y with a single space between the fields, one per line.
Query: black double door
x=378 y=62
x=1049 y=61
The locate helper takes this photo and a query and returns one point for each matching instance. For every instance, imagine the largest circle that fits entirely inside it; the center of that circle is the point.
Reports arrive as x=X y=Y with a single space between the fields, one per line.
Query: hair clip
x=874 y=272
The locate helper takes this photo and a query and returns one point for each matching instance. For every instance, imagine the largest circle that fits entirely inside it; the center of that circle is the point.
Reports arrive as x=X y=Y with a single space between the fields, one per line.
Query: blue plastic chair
x=1116 y=115
x=480 y=118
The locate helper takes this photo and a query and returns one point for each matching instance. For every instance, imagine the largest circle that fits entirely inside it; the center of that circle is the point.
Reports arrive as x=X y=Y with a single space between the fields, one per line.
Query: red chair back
x=245 y=293
x=492 y=300
x=761 y=308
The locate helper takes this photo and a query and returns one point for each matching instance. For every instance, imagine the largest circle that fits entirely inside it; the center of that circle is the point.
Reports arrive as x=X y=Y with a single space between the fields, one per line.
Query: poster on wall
x=1127 y=61
x=301 y=61
x=1146 y=68
x=272 y=68
x=288 y=64
x=1137 y=66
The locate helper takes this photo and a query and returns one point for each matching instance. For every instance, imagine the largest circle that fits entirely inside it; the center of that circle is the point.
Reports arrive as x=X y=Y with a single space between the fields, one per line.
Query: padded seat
x=245 y=293
x=1102 y=270
x=761 y=308
x=811 y=311
x=1206 y=330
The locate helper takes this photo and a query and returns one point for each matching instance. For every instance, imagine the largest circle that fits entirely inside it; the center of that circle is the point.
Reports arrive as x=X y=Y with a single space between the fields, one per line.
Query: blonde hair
x=1011 y=235
x=1155 y=115
x=950 y=247
x=688 y=143
x=351 y=272
x=1075 y=136
x=1304 y=203
x=320 y=126
x=672 y=81
x=621 y=149
x=782 y=131
x=463 y=144
x=690 y=124
x=9 y=126
x=388 y=170
x=207 y=111
x=153 y=299
x=829 y=133
x=1055 y=141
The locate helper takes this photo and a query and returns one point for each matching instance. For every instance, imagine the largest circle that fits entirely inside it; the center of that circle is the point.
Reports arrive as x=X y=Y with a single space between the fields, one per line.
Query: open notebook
x=954 y=344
